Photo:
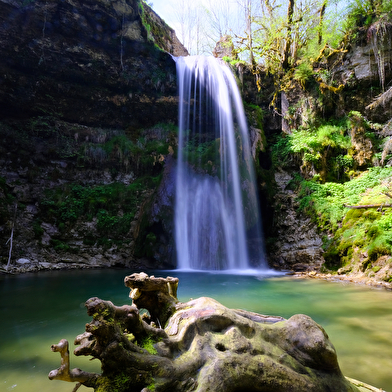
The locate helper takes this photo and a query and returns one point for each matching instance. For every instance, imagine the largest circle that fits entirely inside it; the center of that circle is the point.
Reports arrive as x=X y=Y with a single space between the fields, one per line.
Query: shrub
x=303 y=73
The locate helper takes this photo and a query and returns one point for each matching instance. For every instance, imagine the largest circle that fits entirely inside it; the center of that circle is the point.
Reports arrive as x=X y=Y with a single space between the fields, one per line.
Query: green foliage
x=151 y=387
x=308 y=145
x=303 y=73
x=368 y=230
x=330 y=198
x=315 y=140
x=344 y=161
x=281 y=153
x=60 y=246
x=113 y=225
x=38 y=230
x=232 y=61
x=113 y=206
x=139 y=150
x=202 y=154
x=360 y=14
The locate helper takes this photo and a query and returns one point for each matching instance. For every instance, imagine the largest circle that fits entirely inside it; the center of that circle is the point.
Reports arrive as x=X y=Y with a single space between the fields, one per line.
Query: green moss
x=377 y=250
x=119 y=383
x=60 y=245
x=156 y=33
x=363 y=230
x=38 y=230
x=148 y=344
x=256 y=113
x=374 y=231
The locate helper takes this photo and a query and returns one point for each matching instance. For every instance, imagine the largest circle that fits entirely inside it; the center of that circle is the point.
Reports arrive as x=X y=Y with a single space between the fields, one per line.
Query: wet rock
x=297 y=244
x=23 y=261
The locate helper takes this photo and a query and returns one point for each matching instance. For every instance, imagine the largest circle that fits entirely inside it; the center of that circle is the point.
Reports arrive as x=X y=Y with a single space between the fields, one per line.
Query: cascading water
x=216 y=198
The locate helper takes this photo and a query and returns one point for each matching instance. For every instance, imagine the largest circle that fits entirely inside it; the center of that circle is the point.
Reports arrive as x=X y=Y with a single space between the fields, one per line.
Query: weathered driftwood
x=159 y=295
x=202 y=346
x=381 y=206
x=65 y=373
x=10 y=240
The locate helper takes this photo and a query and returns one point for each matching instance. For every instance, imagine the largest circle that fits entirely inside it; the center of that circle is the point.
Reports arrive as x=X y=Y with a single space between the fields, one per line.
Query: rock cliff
x=299 y=239
x=83 y=87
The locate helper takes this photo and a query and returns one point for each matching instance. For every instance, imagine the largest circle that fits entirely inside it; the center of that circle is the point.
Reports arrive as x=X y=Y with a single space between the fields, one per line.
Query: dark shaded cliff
x=83 y=89
x=90 y=62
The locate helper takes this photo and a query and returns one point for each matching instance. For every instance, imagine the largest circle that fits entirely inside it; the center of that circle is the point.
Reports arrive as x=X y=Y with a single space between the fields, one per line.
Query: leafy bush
x=308 y=145
x=303 y=73
x=138 y=150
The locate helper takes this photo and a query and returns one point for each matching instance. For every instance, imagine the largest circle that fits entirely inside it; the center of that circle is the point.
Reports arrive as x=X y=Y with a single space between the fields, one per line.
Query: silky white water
x=216 y=198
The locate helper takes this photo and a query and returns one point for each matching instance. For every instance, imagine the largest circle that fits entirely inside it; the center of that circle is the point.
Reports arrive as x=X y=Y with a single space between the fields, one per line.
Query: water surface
x=37 y=310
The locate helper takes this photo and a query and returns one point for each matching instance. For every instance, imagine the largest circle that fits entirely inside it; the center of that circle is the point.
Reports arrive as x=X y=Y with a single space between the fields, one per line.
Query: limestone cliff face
x=82 y=86
x=90 y=62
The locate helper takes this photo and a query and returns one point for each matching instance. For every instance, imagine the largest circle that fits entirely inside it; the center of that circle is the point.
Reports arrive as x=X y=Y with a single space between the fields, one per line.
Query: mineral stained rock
x=199 y=346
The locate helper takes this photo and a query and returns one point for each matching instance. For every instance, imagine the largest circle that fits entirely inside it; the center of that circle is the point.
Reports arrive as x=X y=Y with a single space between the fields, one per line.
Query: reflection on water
x=38 y=310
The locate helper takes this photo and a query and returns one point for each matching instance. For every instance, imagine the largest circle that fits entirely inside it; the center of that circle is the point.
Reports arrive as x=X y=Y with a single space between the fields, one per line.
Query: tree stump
x=199 y=346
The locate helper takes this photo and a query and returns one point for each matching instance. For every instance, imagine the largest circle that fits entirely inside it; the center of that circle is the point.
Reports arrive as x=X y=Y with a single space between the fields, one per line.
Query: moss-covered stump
x=200 y=346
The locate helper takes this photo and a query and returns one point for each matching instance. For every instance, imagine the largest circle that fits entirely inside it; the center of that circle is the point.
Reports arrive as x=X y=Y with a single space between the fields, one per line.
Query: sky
x=171 y=12
x=164 y=8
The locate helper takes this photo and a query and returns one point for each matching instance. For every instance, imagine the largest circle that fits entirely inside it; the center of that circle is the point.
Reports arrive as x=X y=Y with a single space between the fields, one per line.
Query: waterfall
x=216 y=198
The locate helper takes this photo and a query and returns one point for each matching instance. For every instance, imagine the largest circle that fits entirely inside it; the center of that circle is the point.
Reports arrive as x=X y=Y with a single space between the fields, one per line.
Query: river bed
x=39 y=309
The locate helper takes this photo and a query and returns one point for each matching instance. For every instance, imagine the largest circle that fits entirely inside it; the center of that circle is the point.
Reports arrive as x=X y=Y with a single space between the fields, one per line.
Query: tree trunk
x=287 y=47
x=322 y=13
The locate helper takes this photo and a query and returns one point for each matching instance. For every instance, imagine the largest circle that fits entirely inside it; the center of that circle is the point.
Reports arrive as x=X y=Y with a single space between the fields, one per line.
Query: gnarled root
x=157 y=295
x=204 y=346
x=65 y=374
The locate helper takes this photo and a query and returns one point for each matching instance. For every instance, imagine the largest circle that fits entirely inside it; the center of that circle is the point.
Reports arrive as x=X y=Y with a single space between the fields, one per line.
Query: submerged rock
x=199 y=345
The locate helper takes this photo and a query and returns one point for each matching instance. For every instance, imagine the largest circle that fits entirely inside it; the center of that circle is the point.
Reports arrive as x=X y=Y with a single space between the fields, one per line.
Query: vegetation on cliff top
x=344 y=161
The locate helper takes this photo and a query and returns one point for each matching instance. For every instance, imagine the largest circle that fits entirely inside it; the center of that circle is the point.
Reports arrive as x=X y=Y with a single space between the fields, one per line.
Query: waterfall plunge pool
x=37 y=310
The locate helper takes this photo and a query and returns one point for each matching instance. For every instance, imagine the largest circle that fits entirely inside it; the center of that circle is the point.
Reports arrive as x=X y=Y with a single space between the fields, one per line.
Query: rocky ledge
x=355 y=278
